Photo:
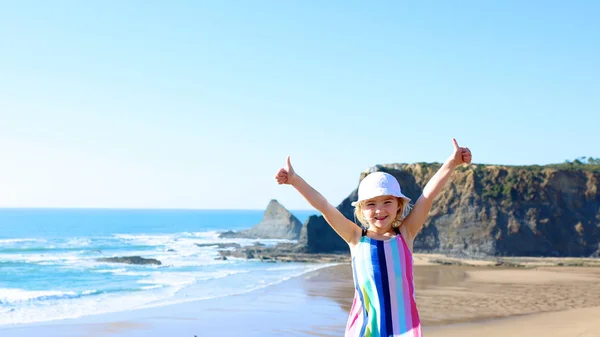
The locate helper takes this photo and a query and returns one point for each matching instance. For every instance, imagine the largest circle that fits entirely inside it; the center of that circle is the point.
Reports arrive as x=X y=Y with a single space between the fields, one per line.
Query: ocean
x=49 y=269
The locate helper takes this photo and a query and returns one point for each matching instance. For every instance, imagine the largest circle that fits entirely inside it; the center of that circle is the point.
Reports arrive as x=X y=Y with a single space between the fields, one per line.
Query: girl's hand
x=460 y=155
x=286 y=175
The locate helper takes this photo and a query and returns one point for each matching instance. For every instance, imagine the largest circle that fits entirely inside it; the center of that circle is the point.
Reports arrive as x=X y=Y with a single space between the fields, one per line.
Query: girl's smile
x=381 y=211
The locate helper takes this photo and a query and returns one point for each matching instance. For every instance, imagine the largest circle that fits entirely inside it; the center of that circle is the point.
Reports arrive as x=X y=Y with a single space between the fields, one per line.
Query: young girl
x=384 y=300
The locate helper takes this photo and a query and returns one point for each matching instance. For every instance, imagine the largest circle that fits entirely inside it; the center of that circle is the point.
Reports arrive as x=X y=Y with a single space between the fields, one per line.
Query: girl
x=384 y=300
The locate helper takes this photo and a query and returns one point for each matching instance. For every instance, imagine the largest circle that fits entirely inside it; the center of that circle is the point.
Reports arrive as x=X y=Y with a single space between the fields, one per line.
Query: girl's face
x=381 y=211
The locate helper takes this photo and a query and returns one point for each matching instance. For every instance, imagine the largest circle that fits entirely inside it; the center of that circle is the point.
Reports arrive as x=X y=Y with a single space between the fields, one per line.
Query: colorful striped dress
x=384 y=299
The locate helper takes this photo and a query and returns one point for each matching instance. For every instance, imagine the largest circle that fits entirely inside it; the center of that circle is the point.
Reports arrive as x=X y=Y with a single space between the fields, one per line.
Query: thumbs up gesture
x=286 y=175
x=460 y=155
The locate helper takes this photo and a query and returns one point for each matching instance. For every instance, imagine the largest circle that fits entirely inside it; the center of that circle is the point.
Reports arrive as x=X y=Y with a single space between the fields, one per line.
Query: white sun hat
x=377 y=184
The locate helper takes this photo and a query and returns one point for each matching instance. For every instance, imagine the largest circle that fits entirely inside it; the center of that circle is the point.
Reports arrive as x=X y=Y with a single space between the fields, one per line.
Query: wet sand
x=495 y=301
x=455 y=301
x=457 y=294
x=471 y=300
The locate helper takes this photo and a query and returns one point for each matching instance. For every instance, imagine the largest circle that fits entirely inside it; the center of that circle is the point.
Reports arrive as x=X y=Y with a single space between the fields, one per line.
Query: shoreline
x=269 y=311
x=459 y=299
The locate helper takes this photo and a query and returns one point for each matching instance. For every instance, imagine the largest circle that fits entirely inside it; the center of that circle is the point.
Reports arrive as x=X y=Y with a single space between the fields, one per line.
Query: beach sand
x=541 y=299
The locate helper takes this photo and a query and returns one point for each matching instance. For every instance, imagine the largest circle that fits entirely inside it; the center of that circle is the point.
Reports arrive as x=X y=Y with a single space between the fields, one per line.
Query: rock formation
x=277 y=223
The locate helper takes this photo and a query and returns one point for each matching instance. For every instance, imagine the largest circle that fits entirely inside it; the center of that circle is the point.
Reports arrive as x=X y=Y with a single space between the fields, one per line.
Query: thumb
x=288 y=164
x=455 y=143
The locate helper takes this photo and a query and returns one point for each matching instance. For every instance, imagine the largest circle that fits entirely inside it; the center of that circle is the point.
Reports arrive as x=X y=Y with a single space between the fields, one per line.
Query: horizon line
x=139 y=208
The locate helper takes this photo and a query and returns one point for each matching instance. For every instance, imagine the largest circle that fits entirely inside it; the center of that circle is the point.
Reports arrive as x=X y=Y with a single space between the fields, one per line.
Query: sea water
x=49 y=268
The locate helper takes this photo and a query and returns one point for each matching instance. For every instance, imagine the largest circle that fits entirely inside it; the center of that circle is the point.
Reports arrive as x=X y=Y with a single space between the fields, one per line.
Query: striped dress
x=384 y=299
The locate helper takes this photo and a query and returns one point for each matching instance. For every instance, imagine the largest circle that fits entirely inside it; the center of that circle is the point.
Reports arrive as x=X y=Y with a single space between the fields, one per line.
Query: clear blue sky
x=196 y=104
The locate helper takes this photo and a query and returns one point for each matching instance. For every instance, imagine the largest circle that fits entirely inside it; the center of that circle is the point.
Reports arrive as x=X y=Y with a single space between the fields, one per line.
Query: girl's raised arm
x=414 y=221
x=345 y=228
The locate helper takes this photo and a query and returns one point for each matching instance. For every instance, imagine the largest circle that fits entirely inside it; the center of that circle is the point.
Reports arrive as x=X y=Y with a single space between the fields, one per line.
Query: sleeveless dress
x=384 y=298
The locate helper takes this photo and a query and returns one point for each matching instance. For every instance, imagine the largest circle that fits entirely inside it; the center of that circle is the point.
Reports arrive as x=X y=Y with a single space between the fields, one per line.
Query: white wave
x=78 y=242
x=145 y=239
x=161 y=290
x=8 y=241
x=119 y=271
x=177 y=254
x=12 y=295
x=207 y=234
x=182 y=250
x=129 y=273
x=260 y=284
x=178 y=240
x=41 y=258
x=83 y=306
x=125 y=236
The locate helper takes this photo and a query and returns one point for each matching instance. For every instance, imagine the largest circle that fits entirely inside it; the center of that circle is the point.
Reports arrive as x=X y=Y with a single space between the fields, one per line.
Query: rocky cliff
x=492 y=210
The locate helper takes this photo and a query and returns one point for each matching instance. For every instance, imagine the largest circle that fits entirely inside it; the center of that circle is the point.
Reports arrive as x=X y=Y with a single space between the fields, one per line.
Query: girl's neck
x=382 y=231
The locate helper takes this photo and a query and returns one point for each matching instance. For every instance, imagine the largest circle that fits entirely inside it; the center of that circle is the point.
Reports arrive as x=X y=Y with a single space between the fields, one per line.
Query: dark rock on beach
x=129 y=260
x=224 y=245
x=447 y=262
x=501 y=263
x=284 y=252
x=230 y=235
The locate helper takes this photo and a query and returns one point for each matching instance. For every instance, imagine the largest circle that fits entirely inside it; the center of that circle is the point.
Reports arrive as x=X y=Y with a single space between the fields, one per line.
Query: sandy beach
x=540 y=297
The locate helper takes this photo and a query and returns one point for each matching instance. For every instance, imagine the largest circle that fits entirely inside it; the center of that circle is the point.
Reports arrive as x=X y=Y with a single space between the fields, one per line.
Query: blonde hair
x=402 y=213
